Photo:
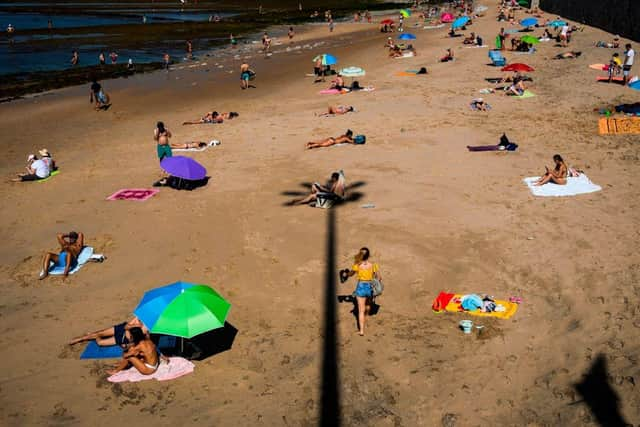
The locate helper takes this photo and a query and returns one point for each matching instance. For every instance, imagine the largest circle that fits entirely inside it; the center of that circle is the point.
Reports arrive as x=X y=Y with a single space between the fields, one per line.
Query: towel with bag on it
x=574 y=186
x=174 y=368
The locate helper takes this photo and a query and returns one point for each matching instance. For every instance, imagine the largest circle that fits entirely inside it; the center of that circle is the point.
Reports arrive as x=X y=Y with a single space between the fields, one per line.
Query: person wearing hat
x=70 y=246
x=37 y=169
x=46 y=157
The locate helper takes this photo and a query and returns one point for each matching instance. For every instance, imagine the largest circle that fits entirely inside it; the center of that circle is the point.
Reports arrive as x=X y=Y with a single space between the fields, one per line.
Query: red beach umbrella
x=386 y=21
x=518 y=67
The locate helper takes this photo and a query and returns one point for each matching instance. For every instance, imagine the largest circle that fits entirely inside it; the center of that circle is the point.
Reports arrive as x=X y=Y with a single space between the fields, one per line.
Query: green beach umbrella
x=182 y=309
x=405 y=12
x=530 y=39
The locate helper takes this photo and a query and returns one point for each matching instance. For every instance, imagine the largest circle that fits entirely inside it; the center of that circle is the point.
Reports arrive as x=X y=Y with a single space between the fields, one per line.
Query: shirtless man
x=213 y=117
x=115 y=335
x=244 y=75
x=161 y=135
x=337 y=110
x=141 y=354
x=333 y=187
x=70 y=246
x=328 y=142
x=338 y=82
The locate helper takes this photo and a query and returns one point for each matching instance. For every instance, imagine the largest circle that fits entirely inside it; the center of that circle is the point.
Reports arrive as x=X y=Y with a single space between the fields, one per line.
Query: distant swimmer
x=75 y=58
x=10 y=29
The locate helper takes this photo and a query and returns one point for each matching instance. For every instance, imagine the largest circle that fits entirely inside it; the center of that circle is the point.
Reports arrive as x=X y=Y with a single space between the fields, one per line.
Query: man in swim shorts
x=244 y=75
x=70 y=246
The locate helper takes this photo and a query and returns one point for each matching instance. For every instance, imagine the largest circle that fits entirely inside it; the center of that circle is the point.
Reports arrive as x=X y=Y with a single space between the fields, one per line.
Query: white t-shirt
x=630 y=54
x=565 y=30
x=41 y=168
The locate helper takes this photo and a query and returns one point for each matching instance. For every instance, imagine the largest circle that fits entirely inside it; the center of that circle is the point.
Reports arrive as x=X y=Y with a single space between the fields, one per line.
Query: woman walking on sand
x=367 y=271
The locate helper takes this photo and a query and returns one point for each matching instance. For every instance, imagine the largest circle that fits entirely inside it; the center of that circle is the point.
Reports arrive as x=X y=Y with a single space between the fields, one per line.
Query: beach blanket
x=406 y=74
x=94 y=351
x=600 y=67
x=476 y=46
x=176 y=367
x=575 y=185
x=211 y=143
x=405 y=55
x=432 y=27
x=453 y=303
x=83 y=257
x=137 y=194
x=606 y=79
x=329 y=92
x=509 y=147
x=51 y=175
x=526 y=94
x=619 y=125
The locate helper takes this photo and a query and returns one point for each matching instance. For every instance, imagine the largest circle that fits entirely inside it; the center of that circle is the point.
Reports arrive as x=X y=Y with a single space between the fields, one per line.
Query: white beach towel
x=575 y=185
x=83 y=257
x=212 y=143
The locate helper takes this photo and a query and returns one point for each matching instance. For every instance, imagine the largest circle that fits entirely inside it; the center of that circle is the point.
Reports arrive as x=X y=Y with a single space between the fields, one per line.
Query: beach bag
x=376 y=287
x=359 y=139
x=324 y=200
x=422 y=70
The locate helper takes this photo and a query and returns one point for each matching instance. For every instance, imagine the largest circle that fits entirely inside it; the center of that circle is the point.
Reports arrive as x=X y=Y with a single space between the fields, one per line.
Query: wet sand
x=444 y=219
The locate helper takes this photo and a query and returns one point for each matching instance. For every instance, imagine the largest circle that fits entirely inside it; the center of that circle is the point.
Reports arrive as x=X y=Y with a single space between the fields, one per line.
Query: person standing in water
x=189 y=50
x=291 y=34
x=75 y=58
x=166 y=60
x=101 y=59
x=331 y=25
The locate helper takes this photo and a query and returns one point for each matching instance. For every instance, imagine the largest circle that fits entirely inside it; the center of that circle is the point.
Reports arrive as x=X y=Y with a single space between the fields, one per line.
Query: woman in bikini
x=213 y=117
x=558 y=175
x=337 y=110
x=366 y=271
x=141 y=354
x=328 y=142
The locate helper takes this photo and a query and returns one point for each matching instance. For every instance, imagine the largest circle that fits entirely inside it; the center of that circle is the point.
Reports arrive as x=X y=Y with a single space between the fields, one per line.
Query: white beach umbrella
x=352 y=72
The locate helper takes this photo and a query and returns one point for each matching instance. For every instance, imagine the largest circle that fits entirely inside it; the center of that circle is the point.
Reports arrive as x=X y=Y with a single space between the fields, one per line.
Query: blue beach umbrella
x=460 y=22
x=406 y=36
x=557 y=23
x=529 y=22
x=327 y=59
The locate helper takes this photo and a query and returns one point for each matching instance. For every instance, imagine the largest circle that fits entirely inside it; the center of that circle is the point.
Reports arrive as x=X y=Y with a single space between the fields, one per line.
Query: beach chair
x=496 y=58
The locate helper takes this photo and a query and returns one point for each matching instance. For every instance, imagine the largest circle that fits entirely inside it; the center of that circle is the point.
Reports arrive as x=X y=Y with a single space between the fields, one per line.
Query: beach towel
x=600 y=67
x=176 y=367
x=526 y=94
x=508 y=147
x=83 y=257
x=329 y=92
x=619 y=125
x=453 y=303
x=432 y=27
x=406 y=74
x=606 y=79
x=211 y=143
x=405 y=55
x=575 y=185
x=51 y=175
x=475 y=46
x=137 y=194
x=94 y=351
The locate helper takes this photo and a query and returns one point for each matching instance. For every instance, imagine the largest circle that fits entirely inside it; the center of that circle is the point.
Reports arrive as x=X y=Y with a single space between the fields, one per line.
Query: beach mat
x=176 y=367
x=600 y=67
x=606 y=79
x=51 y=175
x=329 y=92
x=619 y=126
x=575 y=185
x=137 y=194
x=83 y=258
x=406 y=74
x=94 y=351
x=451 y=302
x=526 y=94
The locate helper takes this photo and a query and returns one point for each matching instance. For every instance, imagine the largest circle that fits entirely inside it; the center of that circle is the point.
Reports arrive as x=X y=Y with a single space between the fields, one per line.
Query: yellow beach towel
x=451 y=302
x=619 y=125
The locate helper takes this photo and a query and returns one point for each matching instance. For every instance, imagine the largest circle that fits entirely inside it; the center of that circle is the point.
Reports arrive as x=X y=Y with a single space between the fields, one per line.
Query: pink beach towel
x=138 y=194
x=176 y=367
x=329 y=92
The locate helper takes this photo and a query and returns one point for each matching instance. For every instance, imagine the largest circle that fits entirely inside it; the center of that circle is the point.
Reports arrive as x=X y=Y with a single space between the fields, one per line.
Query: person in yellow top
x=366 y=271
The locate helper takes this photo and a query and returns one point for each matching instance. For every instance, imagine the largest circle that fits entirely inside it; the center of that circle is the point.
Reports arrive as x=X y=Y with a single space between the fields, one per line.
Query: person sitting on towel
x=337 y=83
x=70 y=246
x=448 y=57
x=558 y=175
x=328 y=142
x=115 y=335
x=471 y=39
x=213 y=117
x=334 y=188
x=141 y=354
x=517 y=88
x=337 y=110
x=36 y=168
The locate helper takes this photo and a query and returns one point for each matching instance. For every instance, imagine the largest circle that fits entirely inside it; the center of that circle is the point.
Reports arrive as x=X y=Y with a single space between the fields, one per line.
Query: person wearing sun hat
x=46 y=157
x=36 y=168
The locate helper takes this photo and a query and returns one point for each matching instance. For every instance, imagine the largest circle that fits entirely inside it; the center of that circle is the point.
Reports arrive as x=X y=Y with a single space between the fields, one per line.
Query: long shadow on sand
x=598 y=394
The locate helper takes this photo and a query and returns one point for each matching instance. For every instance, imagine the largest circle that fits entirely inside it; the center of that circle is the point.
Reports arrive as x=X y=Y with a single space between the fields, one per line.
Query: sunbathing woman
x=213 y=117
x=141 y=353
x=328 y=142
x=337 y=110
x=193 y=144
x=558 y=175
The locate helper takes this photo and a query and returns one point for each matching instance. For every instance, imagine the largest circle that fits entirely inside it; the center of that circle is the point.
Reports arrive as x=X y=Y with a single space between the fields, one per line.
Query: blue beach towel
x=83 y=257
x=94 y=351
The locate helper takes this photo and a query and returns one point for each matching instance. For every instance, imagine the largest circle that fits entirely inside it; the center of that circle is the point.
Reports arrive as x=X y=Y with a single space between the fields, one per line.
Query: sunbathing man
x=213 y=117
x=116 y=335
x=141 y=354
x=70 y=246
x=333 y=189
x=558 y=175
x=328 y=142
x=337 y=83
x=337 y=110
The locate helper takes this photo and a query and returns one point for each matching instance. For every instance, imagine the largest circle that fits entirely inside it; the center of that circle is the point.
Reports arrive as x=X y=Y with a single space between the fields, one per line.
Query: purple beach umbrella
x=183 y=167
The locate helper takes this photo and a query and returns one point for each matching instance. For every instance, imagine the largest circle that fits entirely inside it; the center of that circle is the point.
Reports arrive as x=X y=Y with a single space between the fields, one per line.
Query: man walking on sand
x=244 y=76
x=629 y=55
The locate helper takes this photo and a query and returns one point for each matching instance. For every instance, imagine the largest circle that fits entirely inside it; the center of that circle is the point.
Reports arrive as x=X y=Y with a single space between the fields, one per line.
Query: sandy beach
x=445 y=219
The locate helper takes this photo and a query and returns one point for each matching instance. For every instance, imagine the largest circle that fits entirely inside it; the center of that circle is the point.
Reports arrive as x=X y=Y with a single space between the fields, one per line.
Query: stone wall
x=615 y=16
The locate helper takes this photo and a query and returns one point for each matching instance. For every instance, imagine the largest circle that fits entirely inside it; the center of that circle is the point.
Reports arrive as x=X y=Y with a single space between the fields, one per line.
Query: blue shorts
x=363 y=290
x=245 y=76
x=62 y=260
